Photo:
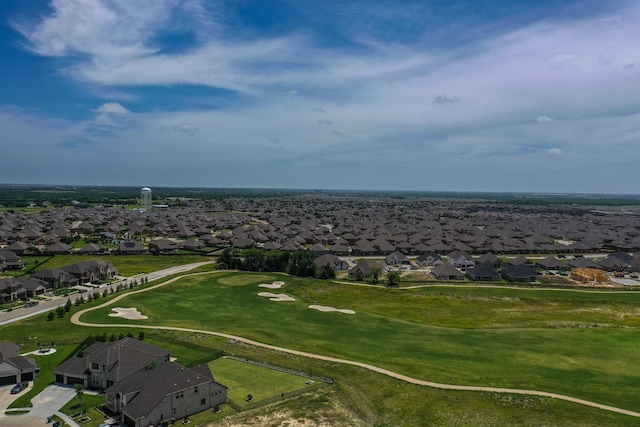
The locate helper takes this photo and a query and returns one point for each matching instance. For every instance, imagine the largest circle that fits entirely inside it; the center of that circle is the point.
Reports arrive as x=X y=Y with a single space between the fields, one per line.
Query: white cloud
x=111 y=108
x=554 y=151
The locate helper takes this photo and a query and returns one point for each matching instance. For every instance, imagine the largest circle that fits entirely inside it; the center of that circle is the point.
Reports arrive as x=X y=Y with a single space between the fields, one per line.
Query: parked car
x=31 y=304
x=19 y=387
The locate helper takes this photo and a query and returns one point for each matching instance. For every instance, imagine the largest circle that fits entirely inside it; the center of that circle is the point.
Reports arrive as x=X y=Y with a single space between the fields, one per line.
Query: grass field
x=573 y=343
x=243 y=379
x=580 y=344
x=127 y=265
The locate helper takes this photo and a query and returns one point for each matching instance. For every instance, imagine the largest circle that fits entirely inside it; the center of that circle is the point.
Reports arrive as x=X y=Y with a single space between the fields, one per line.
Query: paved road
x=52 y=303
x=76 y=320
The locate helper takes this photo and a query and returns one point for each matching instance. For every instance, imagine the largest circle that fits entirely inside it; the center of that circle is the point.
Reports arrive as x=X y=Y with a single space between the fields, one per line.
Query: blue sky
x=439 y=95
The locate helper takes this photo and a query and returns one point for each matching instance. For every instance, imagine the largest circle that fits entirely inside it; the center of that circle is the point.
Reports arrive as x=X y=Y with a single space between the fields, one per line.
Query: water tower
x=145 y=199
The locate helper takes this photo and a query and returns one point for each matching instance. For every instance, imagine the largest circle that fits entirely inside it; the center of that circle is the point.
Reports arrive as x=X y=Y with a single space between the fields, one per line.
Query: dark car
x=31 y=304
x=19 y=387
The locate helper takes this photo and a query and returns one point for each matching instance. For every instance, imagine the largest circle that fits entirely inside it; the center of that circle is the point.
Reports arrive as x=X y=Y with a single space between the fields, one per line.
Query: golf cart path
x=75 y=319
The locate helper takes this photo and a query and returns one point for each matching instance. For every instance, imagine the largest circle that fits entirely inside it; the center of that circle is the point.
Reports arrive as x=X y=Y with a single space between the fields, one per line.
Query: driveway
x=50 y=400
x=6 y=398
x=45 y=404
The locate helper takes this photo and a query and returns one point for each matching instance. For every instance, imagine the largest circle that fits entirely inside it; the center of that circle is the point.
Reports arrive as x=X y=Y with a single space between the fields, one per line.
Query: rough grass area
x=321 y=408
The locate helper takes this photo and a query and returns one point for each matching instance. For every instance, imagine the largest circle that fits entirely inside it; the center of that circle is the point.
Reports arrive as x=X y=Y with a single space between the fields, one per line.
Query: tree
x=60 y=311
x=301 y=264
x=325 y=272
x=141 y=335
x=67 y=306
x=79 y=389
x=50 y=316
x=375 y=275
x=393 y=279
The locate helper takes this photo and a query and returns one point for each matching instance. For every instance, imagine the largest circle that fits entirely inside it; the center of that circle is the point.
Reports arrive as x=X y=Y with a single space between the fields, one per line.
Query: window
x=95 y=366
x=202 y=401
x=195 y=389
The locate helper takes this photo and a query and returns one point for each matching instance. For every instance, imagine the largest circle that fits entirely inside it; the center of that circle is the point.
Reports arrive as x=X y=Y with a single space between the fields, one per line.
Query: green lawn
x=127 y=265
x=262 y=383
x=579 y=344
x=87 y=405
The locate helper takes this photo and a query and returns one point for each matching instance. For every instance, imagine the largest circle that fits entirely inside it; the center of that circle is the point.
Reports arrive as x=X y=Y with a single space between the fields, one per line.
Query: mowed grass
x=262 y=383
x=127 y=265
x=584 y=345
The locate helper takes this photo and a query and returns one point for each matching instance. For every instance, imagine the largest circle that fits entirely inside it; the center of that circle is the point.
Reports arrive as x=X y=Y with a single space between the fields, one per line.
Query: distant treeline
x=298 y=263
x=16 y=195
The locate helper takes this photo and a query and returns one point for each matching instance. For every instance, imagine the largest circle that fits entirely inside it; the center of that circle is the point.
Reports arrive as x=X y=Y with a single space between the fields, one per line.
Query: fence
x=257 y=403
x=278 y=368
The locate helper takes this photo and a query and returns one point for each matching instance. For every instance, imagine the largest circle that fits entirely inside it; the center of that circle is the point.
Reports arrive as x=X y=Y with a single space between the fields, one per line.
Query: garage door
x=11 y=379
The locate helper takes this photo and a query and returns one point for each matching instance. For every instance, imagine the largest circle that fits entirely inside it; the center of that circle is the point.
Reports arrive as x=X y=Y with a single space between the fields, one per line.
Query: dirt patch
x=315 y=410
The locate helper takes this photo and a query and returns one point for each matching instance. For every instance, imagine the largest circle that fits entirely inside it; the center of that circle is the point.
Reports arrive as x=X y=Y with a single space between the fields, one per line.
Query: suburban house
x=10 y=261
x=163 y=245
x=519 y=273
x=447 y=272
x=103 y=364
x=429 y=259
x=13 y=367
x=11 y=290
x=164 y=393
x=483 y=272
x=397 y=258
x=615 y=262
x=142 y=386
x=490 y=259
x=92 y=249
x=318 y=250
x=91 y=271
x=335 y=262
x=19 y=247
x=552 y=263
x=56 y=277
x=57 y=248
x=130 y=248
x=364 y=268
x=460 y=259
x=192 y=245
x=32 y=285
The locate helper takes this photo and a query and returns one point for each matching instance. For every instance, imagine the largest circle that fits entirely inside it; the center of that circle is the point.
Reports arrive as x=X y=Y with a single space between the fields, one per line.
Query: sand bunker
x=131 y=313
x=276 y=297
x=325 y=308
x=274 y=285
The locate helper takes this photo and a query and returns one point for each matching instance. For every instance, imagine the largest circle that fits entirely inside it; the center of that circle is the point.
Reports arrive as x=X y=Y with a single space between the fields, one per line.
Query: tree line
x=298 y=263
